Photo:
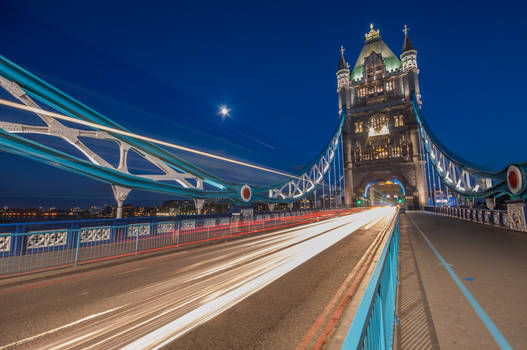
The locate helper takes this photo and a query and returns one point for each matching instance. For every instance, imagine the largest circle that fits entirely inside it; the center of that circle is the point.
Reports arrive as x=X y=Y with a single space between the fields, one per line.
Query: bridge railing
x=498 y=218
x=34 y=246
x=373 y=324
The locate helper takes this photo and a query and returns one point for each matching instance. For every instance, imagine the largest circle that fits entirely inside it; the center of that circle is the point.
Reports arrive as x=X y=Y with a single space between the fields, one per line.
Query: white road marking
x=23 y=341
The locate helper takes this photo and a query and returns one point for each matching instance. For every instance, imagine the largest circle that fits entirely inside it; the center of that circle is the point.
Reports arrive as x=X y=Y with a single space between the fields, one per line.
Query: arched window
x=378 y=125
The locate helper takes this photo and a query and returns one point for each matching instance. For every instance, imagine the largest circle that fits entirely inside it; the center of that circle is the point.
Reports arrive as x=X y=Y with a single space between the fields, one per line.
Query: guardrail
x=34 y=246
x=373 y=324
x=499 y=218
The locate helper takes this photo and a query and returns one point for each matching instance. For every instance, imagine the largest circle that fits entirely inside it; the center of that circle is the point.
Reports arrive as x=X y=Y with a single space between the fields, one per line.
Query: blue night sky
x=163 y=70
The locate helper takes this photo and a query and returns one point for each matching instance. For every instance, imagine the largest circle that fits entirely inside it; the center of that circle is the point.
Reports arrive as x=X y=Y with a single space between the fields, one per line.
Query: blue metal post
x=78 y=246
x=329 y=187
x=335 y=179
x=343 y=185
x=137 y=239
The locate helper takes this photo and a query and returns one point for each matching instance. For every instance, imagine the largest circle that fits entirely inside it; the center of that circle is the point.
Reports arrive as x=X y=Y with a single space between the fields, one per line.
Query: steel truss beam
x=310 y=176
x=179 y=177
x=463 y=177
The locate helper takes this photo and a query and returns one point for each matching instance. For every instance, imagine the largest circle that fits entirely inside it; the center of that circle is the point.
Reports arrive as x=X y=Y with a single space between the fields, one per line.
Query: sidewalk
x=463 y=285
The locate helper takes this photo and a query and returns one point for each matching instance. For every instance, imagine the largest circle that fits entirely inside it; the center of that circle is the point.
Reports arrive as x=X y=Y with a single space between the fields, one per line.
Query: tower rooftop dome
x=374 y=43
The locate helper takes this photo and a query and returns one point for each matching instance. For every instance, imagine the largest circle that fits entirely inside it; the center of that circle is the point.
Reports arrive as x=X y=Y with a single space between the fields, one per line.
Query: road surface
x=474 y=296
x=262 y=291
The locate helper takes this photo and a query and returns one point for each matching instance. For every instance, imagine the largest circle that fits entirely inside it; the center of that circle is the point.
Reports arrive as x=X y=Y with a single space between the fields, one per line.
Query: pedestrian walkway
x=463 y=285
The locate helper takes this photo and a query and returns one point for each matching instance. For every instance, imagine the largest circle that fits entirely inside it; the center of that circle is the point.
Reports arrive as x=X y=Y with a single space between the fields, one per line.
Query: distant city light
x=224 y=111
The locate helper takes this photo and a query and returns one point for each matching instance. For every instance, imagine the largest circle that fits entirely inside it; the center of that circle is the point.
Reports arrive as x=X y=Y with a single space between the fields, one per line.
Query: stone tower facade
x=380 y=136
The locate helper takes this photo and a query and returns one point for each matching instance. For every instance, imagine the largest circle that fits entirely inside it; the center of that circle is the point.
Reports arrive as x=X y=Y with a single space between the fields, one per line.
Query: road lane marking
x=23 y=341
x=498 y=337
x=291 y=257
x=265 y=274
x=338 y=297
x=130 y=271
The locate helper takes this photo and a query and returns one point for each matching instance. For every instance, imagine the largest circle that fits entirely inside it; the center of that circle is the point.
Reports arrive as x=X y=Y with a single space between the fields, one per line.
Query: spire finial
x=342 y=63
x=407 y=46
x=405 y=30
x=373 y=34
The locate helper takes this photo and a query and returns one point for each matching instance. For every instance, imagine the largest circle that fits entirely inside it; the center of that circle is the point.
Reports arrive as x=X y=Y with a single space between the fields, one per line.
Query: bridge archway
x=386 y=191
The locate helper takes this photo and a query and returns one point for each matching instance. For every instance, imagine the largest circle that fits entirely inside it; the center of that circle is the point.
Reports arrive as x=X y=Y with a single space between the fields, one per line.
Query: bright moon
x=224 y=111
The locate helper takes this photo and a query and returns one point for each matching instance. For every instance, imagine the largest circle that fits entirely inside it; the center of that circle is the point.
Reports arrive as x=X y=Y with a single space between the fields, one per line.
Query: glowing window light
x=384 y=131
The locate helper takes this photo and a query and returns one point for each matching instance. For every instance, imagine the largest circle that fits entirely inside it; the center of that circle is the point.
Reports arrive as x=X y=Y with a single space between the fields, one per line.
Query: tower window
x=358 y=127
x=362 y=92
x=399 y=120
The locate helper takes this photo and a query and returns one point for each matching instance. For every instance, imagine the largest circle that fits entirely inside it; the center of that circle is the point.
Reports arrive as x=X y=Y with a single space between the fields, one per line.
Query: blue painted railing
x=373 y=324
x=498 y=218
x=32 y=246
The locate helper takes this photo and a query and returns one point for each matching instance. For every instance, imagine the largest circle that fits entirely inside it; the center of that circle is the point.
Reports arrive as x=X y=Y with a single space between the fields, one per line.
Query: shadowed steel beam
x=464 y=177
x=186 y=178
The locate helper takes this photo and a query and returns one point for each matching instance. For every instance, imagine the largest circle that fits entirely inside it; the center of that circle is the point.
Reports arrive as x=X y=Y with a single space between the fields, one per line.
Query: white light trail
x=278 y=265
x=139 y=137
x=158 y=313
x=27 y=340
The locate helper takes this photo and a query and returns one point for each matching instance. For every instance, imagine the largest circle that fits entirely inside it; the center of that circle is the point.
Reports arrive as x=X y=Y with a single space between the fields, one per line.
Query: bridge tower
x=380 y=135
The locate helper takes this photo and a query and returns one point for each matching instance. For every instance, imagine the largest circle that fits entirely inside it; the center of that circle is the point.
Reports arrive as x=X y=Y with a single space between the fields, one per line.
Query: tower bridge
x=343 y=274
x=381 y=135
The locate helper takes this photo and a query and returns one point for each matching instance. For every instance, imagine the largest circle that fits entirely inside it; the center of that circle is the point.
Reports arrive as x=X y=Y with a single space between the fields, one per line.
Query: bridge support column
x=371 y=195
x=198 y=203
x=420 y=171
x=348 y=174
x=120 y=194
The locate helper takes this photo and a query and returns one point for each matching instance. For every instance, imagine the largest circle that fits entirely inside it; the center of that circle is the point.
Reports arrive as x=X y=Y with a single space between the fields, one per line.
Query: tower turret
x=409 y=53
x=409 y=61
x=343 y=79
x=343 y=71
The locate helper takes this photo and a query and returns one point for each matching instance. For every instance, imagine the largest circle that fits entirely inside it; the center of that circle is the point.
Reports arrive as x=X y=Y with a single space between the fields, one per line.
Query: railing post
x=177 y=234
x=382 y=336
x=78 y=245
x=137 y=239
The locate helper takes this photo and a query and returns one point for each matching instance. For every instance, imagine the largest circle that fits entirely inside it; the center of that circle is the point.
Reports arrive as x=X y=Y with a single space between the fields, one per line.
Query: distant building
x=380 y=135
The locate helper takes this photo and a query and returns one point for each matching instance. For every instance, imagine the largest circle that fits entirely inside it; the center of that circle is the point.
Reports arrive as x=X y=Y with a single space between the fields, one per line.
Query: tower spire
x=407 y=46
x=342 y=63
x=343 y=71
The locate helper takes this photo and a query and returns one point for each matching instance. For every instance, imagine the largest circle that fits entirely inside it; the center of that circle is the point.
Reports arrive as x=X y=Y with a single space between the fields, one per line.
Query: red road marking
x=313 y=217
x=356 y=278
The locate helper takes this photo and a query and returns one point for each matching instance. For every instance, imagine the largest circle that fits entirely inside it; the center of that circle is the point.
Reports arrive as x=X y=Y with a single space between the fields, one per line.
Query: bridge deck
x=476 y=300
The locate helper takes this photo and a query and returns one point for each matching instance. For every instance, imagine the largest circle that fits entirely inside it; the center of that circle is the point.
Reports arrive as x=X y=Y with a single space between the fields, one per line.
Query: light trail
x=159 y=313
x=139 y=137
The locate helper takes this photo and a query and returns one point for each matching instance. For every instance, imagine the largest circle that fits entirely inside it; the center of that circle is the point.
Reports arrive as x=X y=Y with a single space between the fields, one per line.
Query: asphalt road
x=263 y=291
x=490 y=263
